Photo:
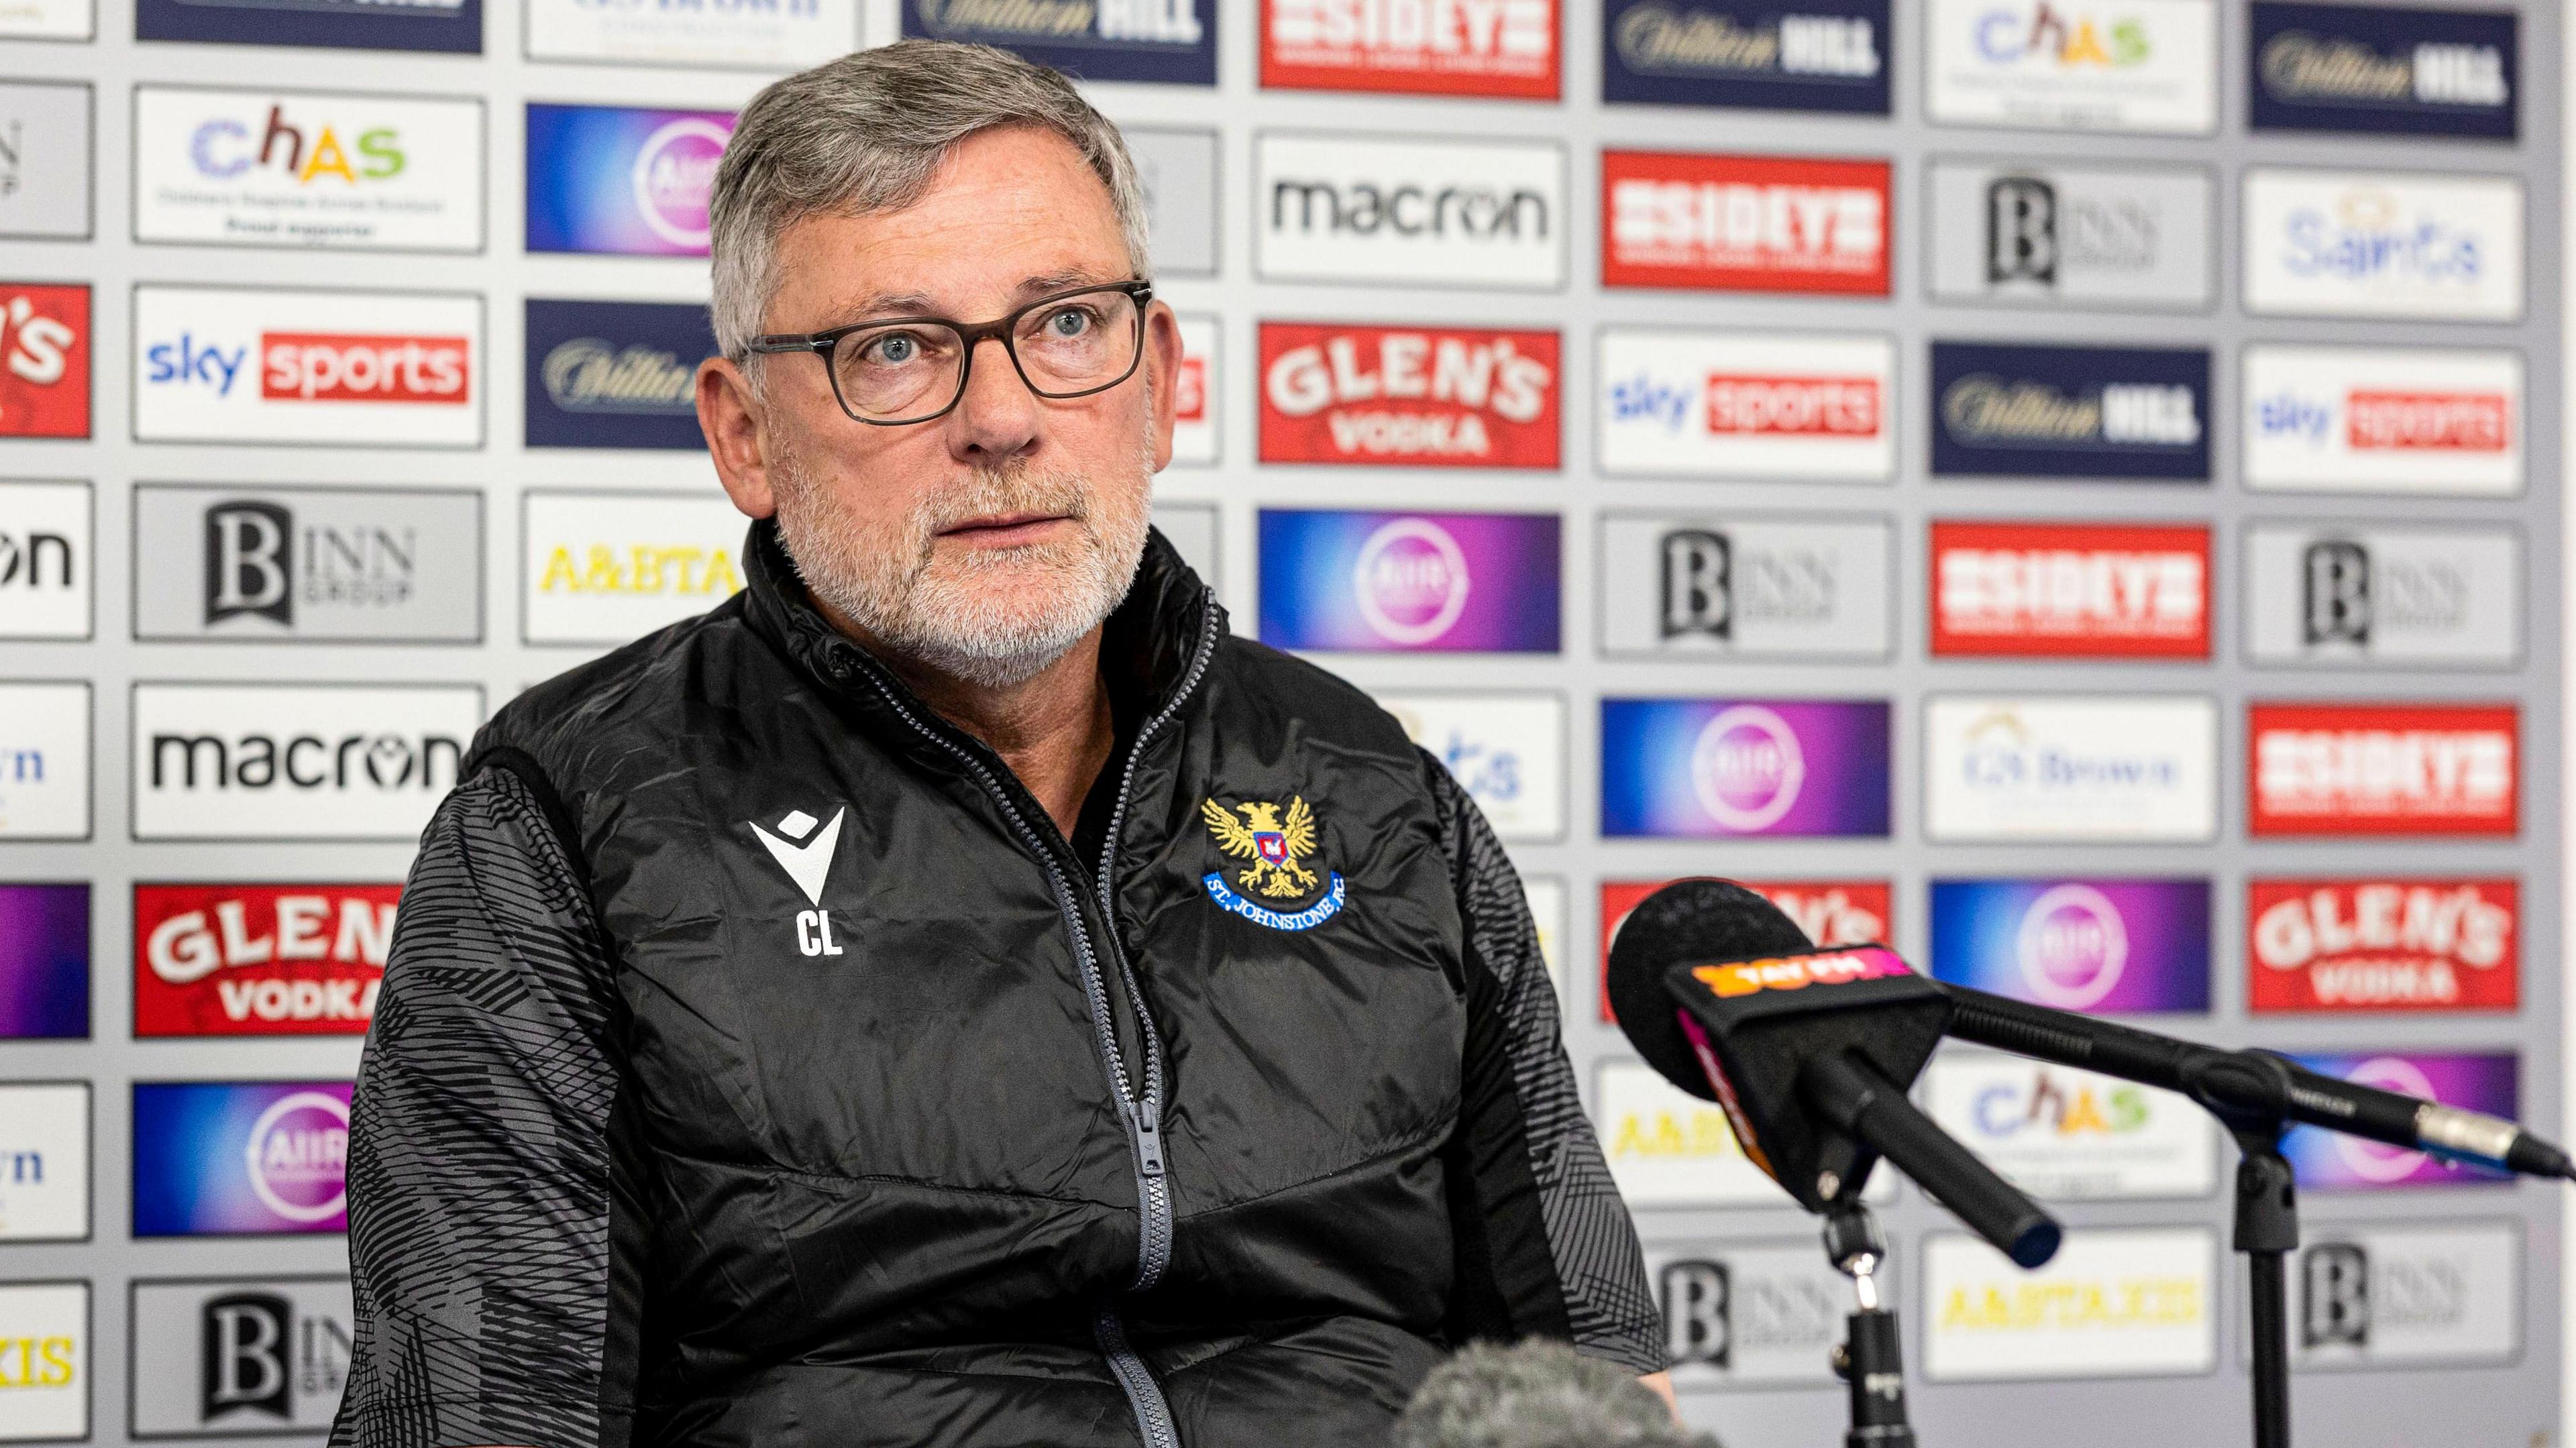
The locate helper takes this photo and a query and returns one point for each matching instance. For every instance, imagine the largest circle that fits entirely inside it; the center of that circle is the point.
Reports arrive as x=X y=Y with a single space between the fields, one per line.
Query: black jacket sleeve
x=1545 y=1246
x=479 y=1193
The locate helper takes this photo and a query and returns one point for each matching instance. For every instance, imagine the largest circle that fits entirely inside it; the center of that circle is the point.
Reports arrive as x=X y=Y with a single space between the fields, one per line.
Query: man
x=956 y=993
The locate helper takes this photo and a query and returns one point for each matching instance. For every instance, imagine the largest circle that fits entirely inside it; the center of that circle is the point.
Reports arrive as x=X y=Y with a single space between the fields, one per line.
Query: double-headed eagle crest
x=1273 y=848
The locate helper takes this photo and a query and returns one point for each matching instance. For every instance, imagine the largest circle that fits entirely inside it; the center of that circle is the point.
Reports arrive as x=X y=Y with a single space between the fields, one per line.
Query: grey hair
x=866 y=133
x=1536 y=1394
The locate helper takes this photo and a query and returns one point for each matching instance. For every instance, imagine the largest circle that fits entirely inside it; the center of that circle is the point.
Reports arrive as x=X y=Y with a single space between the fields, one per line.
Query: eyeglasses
x=900 y=370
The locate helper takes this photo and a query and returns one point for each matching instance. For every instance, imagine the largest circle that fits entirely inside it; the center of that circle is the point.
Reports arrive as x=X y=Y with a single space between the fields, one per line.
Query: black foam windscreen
x=1687 y=921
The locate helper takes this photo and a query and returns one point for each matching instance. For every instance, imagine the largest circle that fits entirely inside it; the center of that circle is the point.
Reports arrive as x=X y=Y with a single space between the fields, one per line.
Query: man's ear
x=1162 y=376
x=729 y=414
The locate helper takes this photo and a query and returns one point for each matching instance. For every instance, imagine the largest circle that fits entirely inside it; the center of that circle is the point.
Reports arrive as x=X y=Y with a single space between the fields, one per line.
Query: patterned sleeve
x=479 y=1154
x=1546 y=1247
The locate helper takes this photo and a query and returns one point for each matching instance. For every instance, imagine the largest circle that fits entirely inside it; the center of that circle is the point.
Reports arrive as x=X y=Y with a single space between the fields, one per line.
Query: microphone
x=1809 y=1053
x=2251 y=1083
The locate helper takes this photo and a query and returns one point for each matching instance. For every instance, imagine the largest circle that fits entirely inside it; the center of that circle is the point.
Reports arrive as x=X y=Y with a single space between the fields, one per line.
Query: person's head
x=1536 y=1394
x=920 y=180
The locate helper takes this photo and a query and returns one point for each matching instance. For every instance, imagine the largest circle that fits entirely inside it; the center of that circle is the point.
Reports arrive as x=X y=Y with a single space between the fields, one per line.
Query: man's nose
x=998 y=416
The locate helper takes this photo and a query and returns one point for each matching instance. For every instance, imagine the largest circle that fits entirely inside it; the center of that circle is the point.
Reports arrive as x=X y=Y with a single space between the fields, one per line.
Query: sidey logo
x=1273 y=851
x=807 y=863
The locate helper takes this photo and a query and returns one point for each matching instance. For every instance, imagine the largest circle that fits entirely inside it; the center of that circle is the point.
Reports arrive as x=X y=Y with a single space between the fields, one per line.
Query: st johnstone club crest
x=1274 y=874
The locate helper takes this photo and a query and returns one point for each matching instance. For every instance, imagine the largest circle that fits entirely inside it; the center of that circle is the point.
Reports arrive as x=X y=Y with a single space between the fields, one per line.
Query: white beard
x=992 y=617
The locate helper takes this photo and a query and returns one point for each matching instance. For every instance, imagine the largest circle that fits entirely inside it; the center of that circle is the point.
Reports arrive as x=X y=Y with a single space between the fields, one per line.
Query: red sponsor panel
x=259 y=960
x=2384 y=769
x=2429 y=421
x=349 y=367
x=2374 y=944
x=2070 y=590
x=1507 y=48
x=1744 y=223
x=1832 y=912
x=44 y=360
x=1740 y=405
x=1453 y=397
x=1189 y=390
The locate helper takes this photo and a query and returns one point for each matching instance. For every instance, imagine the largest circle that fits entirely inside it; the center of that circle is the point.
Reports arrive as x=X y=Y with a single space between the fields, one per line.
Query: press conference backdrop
x=2069 y=487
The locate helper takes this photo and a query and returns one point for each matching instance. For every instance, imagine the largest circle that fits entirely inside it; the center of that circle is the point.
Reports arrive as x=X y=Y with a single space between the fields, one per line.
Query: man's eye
x=1070 y=322
x=892 y=351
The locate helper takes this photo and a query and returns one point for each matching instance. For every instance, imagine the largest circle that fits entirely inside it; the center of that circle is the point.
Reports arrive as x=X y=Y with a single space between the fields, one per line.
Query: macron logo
x=809 y=859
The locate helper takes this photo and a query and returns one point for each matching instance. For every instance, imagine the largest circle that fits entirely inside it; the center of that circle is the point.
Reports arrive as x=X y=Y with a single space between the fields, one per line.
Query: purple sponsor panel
x=1715 y=768
x=2472 y=1081
x=2114 y=947
x=44 y=962
x=622 y=180
x=240 y=1158
x=1401 y=582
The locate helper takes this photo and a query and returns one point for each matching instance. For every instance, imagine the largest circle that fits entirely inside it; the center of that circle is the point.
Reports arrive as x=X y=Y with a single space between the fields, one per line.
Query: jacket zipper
x=1143 y=1117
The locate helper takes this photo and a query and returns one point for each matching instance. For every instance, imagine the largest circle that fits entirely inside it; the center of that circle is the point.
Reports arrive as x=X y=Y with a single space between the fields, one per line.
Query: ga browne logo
x=1744 y=223
x=805 y=853
x=44 y=360
x=1383 y=395
x=254 y=960
x=1459 y=213
x=1430 y=47
x=2088 y=768
x=2375 y=944
x=2445 y=769
x=2070 y=590
x=44 y=1161
x=2384 y=69
x=1822 y=55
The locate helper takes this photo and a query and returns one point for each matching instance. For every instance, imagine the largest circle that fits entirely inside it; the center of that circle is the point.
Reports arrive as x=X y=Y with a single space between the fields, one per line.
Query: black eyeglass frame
x=822 y=345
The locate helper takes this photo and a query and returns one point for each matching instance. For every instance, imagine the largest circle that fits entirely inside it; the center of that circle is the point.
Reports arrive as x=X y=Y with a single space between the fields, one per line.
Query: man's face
x=986 y=542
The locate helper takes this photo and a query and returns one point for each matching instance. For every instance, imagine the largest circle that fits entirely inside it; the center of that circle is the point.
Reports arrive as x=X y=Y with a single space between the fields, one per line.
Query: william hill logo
x=1686 y=40
x=590 y=375
x=1994 y=409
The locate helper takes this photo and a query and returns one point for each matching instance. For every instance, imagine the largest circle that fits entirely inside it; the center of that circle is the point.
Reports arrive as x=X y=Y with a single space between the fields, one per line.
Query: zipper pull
x=1149 y=1137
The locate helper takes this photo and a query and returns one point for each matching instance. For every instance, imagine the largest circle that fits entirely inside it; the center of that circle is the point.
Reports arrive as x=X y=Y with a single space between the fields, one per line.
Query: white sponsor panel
x=2073 y=235
x=44 y=1161
x=296 y=761
x=2383 y=244
x=1746 y=586
x=2148 y=66
x=1668 y=1148
x=48 y=560
x=2388 y=1295
x=48 y=19
x=2383 y=420
x=1359 y=208
x=2128 y=769
x=1197 y=394
x=2067 y=1135
x=307 y=168
x=240 y=1358
x=44 y=761
x=2110 y=1304
x=1507 y=750
x=2323 y=593
x=1546 y=896
x=1744 y=1315
x=605 y=568
x=1746 y=405
x=257 y=364
x=46 y=1362
x=775 y=36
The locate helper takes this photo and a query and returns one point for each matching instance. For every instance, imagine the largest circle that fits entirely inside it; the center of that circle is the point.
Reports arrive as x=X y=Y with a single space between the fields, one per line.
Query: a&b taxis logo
x=1274 y=851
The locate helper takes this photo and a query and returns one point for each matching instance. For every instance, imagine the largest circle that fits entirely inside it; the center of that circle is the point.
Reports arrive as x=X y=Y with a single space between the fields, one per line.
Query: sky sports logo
x=1418 y=397
x=1742 y=404
x=1504 y=48
x=2070 y=590
x=241 y=364
x=2383 y=419
x=1745 y=223
x=2385 y=769
x=2004 y=410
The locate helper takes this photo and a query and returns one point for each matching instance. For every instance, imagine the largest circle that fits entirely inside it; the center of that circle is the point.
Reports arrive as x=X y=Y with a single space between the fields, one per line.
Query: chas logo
x=2068 y=1135
x=1426 y=47
x=2148 y=66
x=259 y=960
x=2384 y=769
x=2070 y=590
x=343 y=172
x=1744 y=223
x=1430 y=397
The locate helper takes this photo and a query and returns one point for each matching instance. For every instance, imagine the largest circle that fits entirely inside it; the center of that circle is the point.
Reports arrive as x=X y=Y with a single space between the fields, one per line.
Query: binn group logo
x=1738 y=1315
x=1504 y=48
x=1408 y=397
x=259 y=960
x=2385 y=69
x=1803 y=55
x=307 y=169
x=2325 y=594
x=621 y=180
x=2070 y=235
x=2383 y=244
x=242 y=364
x=2385 y=769
x=2383 y=420
x=2070 y=590
x=1751 y=587
x=46 y=130
x=321 y=564
x=1745 y=223
x=44 y=360
x=2382 y=944
x=240 y=1158
x=1739 y=404
x=1357 y=208
x=240 y=1358
x=2145 y=66
x=296 y=761
x=2387 y=1295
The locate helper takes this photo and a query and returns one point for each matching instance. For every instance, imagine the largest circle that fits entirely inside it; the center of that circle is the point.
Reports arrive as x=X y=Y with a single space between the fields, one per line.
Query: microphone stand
x=2267 y=1232
x=1871 y=1358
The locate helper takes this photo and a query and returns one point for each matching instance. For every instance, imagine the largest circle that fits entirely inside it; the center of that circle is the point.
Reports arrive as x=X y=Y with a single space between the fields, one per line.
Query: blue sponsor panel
x=2004 y=410
x=1782 y=55
x=1169 y=42
x=452 y=27
x=615 y=374
x=2384 y=70
x=2115 y=947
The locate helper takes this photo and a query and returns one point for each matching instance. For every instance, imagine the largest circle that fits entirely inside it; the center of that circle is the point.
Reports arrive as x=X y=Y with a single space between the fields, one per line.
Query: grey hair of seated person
x=1536 y=1395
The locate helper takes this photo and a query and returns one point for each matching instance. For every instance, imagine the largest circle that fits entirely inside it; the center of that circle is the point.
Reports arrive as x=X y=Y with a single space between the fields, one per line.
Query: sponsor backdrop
x=2069 y=489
